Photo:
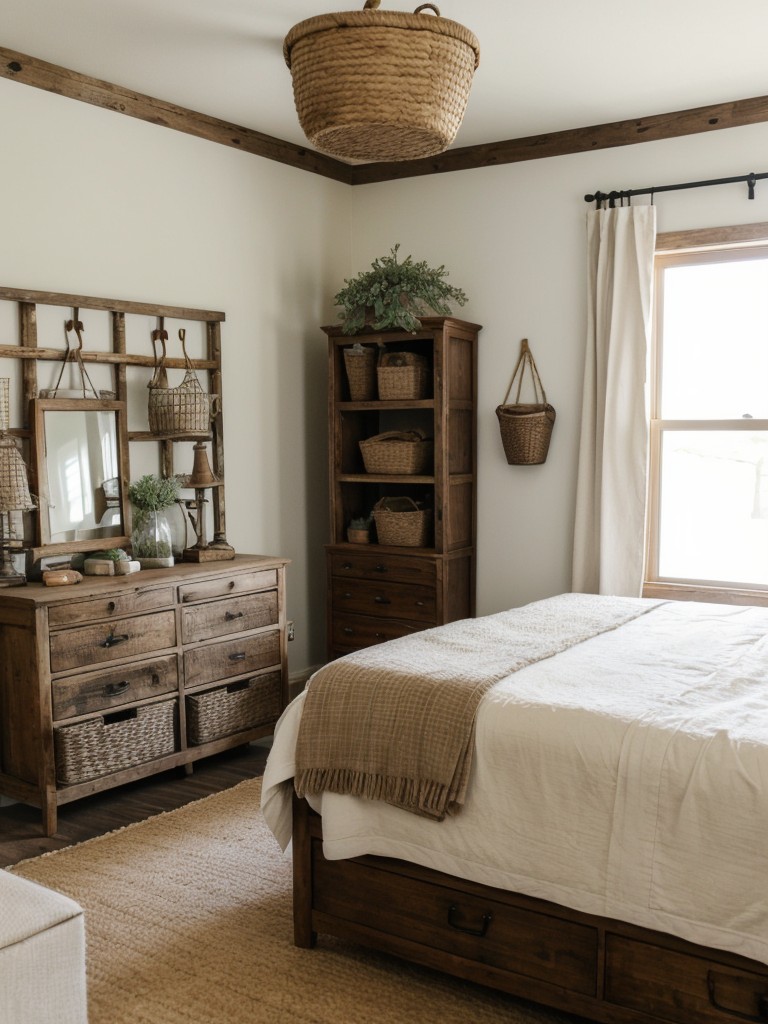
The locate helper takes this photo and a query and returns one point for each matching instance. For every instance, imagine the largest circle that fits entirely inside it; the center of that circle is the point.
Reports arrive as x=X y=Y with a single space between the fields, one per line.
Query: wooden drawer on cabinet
x=110 y=641
x=464 y=924
x=679 y=987
x=229 y=615
x=237 y=583
x=100 y=690
x=231 y=658
x=364 y=631
x=375 y=566
x=110 y=606
x=388 y=600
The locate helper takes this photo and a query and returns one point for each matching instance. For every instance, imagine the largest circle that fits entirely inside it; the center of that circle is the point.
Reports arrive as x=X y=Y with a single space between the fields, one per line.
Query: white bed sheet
x=625 y=777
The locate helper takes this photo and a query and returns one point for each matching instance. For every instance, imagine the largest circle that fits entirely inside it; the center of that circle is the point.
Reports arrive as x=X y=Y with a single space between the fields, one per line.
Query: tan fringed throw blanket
x=395 y=722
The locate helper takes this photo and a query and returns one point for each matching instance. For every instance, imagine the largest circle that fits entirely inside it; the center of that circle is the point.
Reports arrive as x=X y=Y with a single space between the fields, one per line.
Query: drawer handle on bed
x=229 y=616
x=113 y=641
x=381 y=567
x=487 y=918
x=382 y=600
x=762 y=1003
x=112 y=689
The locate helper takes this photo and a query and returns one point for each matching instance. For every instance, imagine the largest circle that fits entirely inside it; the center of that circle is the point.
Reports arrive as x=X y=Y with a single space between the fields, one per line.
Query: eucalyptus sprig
x=397 y=293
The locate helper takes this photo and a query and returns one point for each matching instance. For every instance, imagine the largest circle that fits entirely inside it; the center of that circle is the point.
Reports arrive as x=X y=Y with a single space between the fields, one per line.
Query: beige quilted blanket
x=395 y=722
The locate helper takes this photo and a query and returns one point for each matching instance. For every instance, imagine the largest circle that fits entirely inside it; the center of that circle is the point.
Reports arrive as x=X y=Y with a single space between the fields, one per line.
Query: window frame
x=702 y=246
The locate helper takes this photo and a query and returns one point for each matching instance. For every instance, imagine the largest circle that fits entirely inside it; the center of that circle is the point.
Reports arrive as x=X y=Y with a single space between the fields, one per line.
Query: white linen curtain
x=609 y=531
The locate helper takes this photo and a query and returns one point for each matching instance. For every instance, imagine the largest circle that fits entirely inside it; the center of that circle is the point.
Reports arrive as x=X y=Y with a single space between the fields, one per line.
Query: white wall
x=513 y=238
x=98 y=204
x=95 y=203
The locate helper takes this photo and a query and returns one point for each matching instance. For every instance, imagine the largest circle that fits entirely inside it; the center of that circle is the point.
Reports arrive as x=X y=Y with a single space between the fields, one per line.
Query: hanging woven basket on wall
x=381 y=85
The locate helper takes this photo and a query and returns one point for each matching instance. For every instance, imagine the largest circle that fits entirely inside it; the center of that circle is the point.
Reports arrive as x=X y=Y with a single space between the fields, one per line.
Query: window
x=708 y=467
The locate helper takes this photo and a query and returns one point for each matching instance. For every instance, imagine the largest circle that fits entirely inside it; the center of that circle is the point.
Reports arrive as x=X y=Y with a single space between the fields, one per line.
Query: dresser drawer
x=111 y=641
x=110 y=606
x=388 y=600
x=678 y=987
x=492 y=932
x=103 y=689
x=229 y=615
x=224 y=586
x=356 y=631
x=376 y=566
x=231 y=658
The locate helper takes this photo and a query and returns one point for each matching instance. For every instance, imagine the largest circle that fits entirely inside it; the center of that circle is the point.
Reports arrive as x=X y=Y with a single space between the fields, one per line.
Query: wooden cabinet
x=384 y=590
x=120 y=677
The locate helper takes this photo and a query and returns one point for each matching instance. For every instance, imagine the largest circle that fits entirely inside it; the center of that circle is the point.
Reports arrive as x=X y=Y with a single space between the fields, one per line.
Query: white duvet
x=625 y=777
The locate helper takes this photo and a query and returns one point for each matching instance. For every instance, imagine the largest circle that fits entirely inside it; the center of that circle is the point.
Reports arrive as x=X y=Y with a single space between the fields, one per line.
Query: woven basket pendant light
x=381 y=85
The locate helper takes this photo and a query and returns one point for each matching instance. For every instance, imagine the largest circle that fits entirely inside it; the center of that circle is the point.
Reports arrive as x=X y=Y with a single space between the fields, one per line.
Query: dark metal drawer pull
x=113 y=641
x=229 y=616
x=480 y=932
x=348 y=630
x=111 y=607
x=381 y=568
x=762 y=1003
x=347 y=565
x=112 y=689
x=382 y=600
x=237 y=657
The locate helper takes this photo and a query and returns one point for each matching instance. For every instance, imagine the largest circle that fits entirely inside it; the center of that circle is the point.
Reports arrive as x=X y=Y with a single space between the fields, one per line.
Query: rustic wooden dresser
x=118 y=678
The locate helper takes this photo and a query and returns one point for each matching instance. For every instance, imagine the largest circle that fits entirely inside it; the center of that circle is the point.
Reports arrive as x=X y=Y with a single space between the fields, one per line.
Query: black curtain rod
x=611 y=197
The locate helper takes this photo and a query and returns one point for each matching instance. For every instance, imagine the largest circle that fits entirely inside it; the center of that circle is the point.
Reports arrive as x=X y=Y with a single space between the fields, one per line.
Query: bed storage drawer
x=679 y=987
x=462 y=923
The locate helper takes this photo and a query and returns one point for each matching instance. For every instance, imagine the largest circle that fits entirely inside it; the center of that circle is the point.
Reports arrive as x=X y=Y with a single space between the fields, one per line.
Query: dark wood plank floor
x=21 y=834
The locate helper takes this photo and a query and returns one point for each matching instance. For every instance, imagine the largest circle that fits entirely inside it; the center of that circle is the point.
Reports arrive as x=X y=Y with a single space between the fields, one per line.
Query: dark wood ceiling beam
x=30 y=71
x=578 y=140
x=42 y=75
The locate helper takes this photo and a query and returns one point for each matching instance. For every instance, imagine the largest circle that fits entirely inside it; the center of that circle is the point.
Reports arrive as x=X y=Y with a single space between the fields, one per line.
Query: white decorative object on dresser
x=119 y=678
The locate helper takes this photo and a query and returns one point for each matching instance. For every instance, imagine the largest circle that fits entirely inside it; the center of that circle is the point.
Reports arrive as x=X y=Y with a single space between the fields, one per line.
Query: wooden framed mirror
x=79 y=452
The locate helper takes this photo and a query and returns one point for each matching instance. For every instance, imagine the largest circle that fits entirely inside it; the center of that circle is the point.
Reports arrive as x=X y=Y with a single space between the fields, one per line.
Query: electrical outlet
x=291 y=630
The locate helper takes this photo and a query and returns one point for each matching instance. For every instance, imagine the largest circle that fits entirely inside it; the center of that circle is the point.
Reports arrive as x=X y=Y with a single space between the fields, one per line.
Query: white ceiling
x=545 y=66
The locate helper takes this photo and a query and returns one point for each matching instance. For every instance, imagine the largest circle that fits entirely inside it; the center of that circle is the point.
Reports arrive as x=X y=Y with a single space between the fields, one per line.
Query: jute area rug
x=188 y=921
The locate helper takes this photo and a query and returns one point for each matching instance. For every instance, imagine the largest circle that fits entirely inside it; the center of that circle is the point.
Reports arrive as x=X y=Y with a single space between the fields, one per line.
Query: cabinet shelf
x=380 y=591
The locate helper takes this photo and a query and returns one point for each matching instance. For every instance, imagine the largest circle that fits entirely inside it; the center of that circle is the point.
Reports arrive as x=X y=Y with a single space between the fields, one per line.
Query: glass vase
x=151 y=539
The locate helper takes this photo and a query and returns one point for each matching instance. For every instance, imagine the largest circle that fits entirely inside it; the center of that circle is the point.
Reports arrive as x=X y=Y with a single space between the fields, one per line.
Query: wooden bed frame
x=605 y=970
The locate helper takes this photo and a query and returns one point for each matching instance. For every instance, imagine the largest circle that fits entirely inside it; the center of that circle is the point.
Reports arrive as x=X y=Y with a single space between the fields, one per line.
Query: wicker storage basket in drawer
x=233 y=708
x=115 y=741
x=397 y=452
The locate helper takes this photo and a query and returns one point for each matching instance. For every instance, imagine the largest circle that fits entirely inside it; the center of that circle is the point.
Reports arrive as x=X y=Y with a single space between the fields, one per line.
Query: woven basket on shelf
x=233 y=708
x=397 y=452
x=403 y=376
x=114 y=742
x=526 y=428
x=360 y=364
x=401 y=523
x=185 y=409
x=381 y=85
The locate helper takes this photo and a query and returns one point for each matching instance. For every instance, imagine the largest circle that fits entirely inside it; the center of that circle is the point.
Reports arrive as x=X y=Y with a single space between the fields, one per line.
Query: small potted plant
x=395 y=294
x=150 y=496
x=359 y=529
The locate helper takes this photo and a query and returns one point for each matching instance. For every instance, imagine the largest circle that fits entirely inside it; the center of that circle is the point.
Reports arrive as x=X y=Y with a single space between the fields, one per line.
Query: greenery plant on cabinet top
x=394 y=294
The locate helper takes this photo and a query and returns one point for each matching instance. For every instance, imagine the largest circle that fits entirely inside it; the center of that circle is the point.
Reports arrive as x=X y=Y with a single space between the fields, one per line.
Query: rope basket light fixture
x=376 y=85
